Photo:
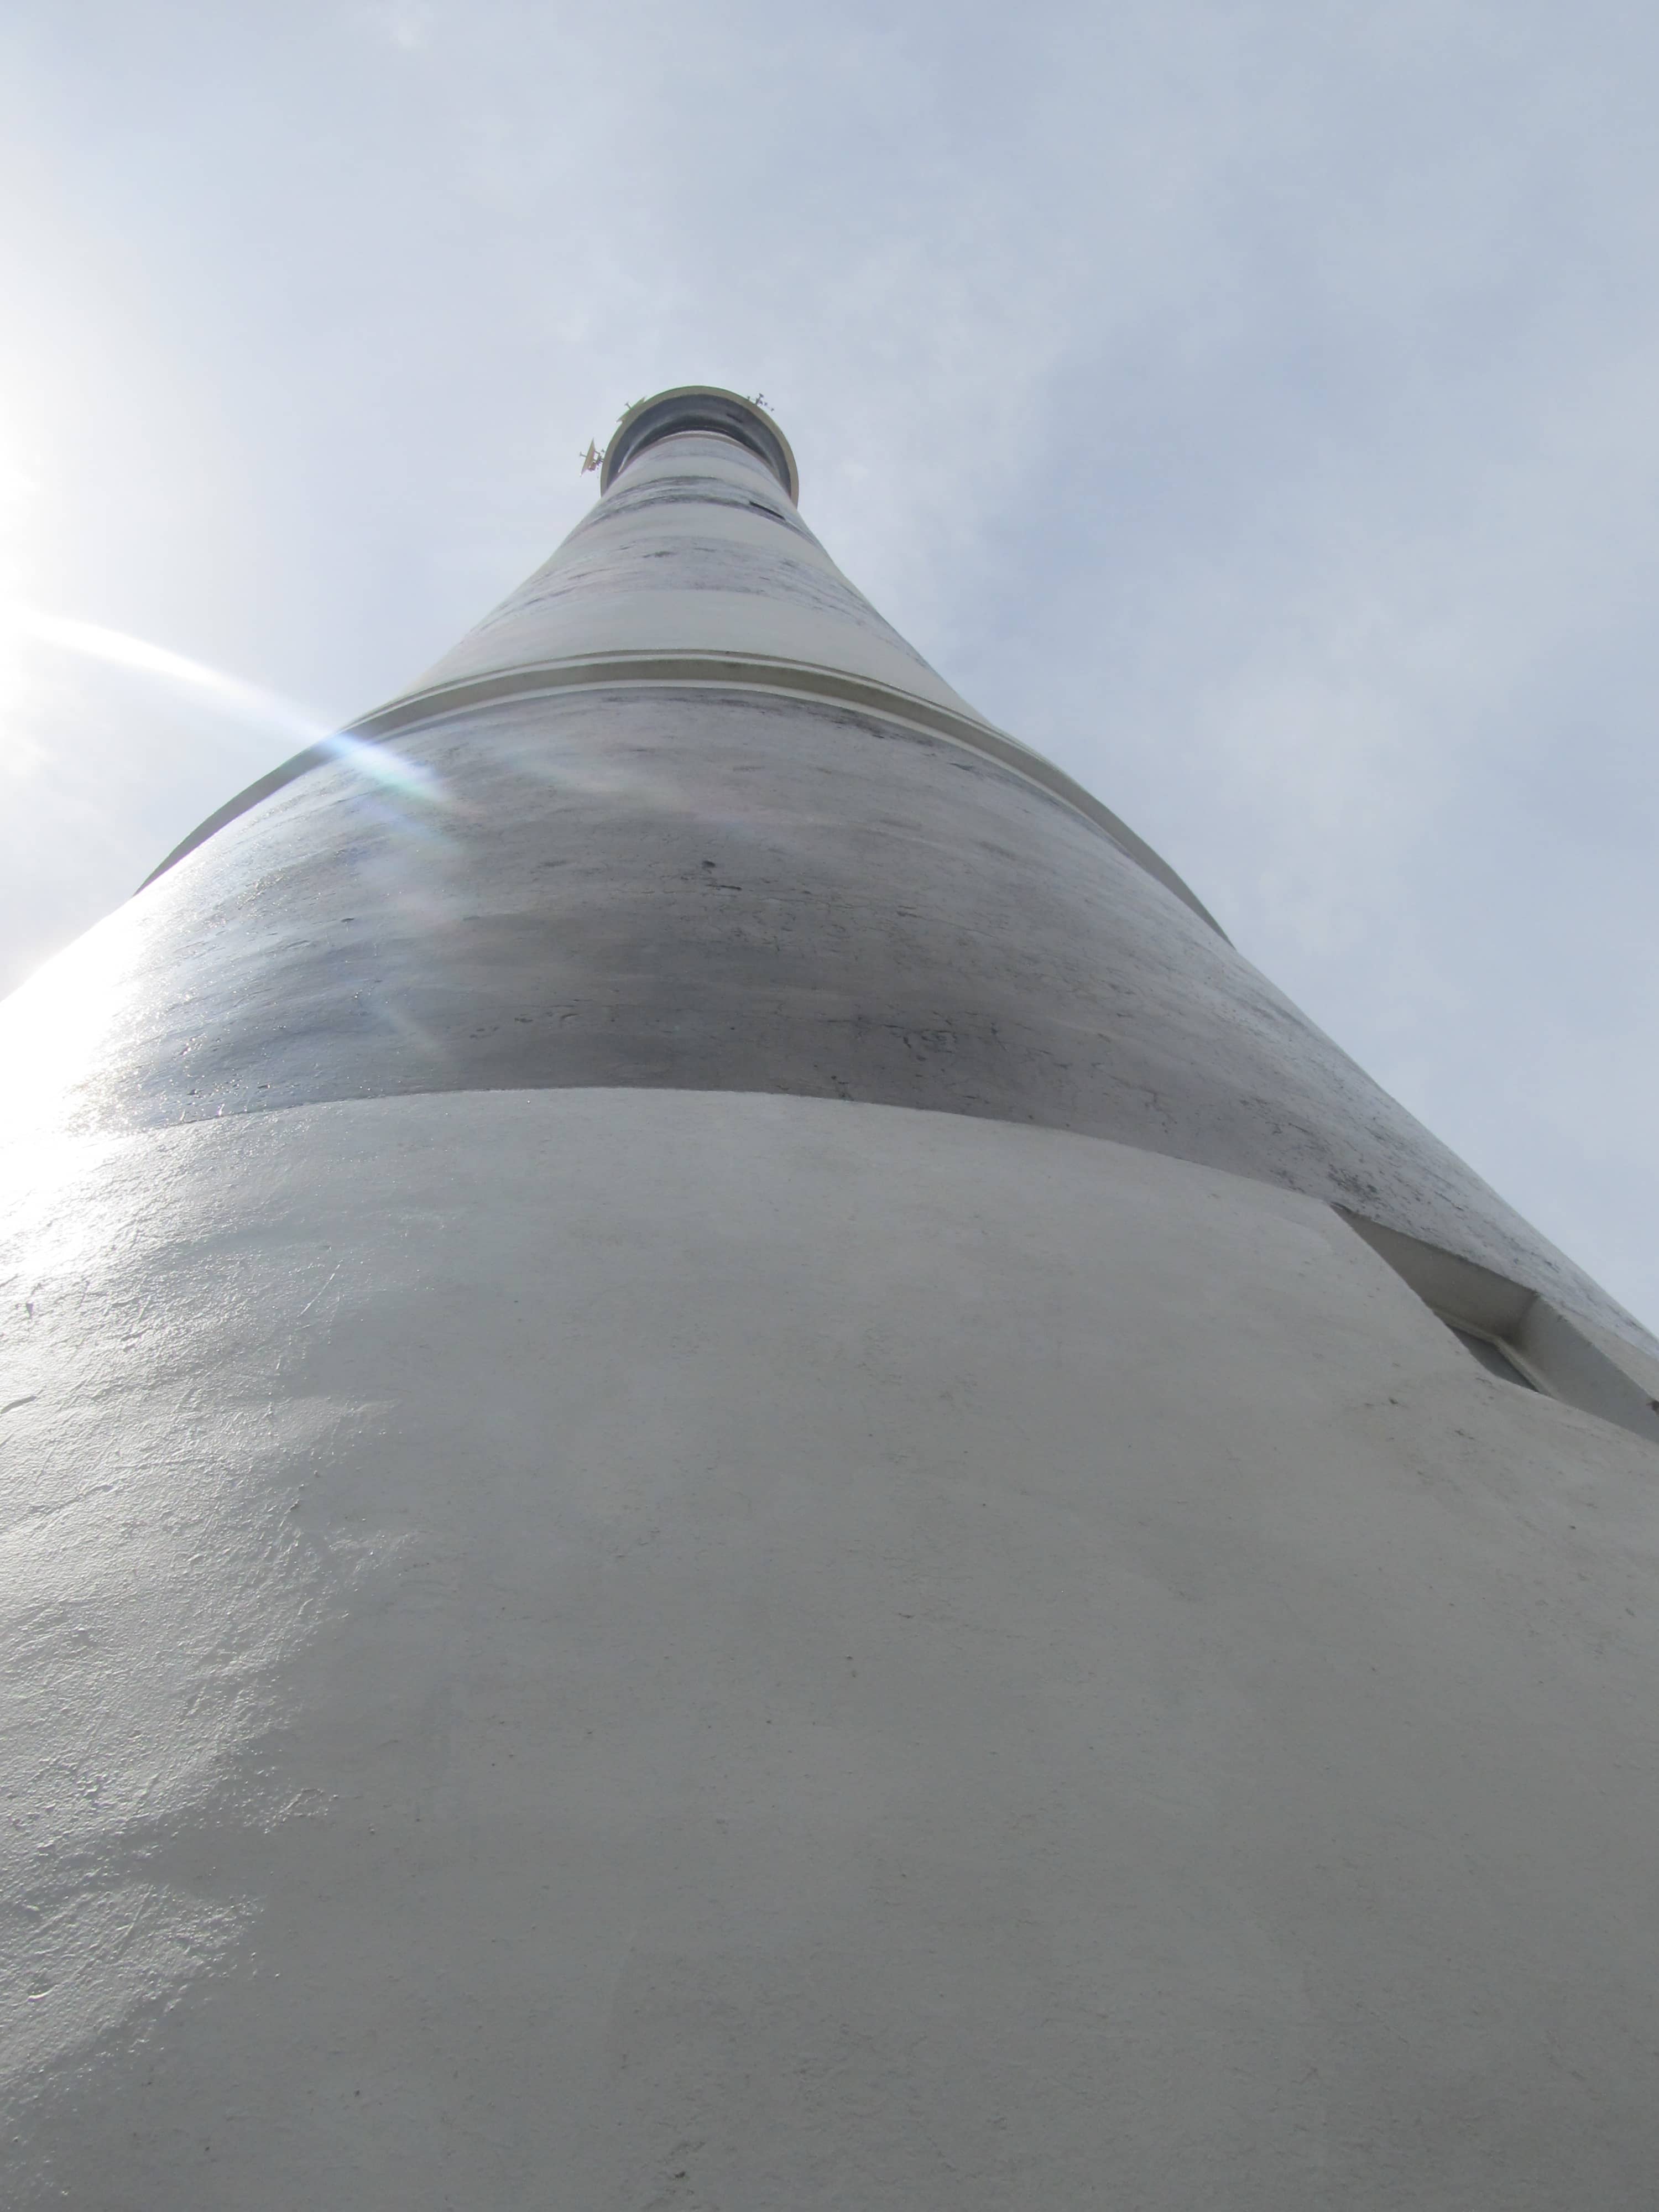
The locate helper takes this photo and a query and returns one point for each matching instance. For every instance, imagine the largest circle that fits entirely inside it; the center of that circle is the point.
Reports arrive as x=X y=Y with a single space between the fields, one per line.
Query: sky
x=1254 y=407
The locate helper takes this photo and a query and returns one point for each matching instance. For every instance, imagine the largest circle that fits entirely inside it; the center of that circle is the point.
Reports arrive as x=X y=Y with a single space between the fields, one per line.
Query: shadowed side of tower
x=739 y=1480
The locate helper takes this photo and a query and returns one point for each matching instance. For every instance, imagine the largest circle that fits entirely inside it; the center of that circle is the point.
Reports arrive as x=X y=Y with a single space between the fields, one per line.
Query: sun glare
x=241 y=702
x=245 y=702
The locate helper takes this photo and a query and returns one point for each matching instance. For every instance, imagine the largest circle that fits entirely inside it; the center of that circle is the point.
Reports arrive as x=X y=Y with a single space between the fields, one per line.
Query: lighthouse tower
x=733 y=1481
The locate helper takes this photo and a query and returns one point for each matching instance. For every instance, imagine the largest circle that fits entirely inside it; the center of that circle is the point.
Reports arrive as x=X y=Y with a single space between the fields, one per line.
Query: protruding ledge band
x=750 y=671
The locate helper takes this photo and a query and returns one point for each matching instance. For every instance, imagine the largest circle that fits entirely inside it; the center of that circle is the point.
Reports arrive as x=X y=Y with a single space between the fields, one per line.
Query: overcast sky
x=1254 y=407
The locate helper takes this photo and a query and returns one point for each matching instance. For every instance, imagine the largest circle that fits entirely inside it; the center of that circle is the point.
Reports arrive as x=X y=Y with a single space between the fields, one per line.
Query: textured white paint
x=660 y=566
x=633 y=1649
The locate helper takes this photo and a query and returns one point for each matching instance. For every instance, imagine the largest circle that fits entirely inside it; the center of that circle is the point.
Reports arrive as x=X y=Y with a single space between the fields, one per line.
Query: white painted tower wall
x=596 y=1637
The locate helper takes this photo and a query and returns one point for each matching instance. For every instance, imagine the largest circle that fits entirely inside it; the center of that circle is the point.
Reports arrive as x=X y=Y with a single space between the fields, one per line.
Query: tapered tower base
x=638 y=1647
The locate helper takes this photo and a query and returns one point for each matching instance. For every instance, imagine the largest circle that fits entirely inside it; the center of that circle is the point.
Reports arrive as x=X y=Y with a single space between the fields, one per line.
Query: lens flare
x=243 y=701
x=247 y=702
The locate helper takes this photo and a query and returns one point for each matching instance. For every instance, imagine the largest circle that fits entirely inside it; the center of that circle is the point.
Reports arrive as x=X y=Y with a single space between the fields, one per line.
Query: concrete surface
x=626 y=1649
x=696 y=568
x=703 y=1508
x=702 y=888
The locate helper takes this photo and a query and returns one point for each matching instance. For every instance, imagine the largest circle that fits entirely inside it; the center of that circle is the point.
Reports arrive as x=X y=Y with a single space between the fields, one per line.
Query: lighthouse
x=732 y=1479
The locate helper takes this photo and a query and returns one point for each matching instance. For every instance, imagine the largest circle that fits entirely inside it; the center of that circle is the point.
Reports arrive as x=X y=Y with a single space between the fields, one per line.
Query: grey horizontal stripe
x=698 y=888
x=752 y=673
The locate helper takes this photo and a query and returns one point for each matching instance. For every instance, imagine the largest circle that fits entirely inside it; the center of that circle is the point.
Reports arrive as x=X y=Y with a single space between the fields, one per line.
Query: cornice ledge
x=753 y=672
